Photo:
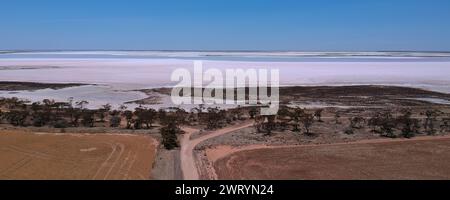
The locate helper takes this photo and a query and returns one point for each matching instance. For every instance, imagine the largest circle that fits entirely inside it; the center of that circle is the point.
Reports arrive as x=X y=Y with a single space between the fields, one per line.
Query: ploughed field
x=378 y=159
x=43 y=156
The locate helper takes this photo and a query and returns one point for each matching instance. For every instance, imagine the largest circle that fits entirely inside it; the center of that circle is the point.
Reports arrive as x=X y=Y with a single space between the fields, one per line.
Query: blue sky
x=315 y=25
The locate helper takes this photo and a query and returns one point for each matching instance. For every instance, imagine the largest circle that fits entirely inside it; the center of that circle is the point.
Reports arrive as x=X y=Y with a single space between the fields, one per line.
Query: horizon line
x=226 y=50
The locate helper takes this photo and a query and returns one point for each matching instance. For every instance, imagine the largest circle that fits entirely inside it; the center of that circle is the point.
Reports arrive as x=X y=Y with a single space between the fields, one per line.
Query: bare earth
x=187 y=156
x=44 y=156
x=418 y=158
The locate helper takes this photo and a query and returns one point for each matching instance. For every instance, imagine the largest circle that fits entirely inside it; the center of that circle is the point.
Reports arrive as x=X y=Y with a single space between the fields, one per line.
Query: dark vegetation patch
x=15 y=86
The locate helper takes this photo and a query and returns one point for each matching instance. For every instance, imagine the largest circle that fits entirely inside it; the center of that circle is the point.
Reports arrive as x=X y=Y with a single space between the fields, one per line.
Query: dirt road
x=188 y=165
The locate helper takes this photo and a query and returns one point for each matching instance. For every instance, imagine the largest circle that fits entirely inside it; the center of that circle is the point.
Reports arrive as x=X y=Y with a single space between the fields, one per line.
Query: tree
x=297 y=117
x=375 y=122
x=270 y=125
x=41 y=118
x=169 y=135
x=307 y=121
x=387 y=125
x=357 y=122
x=114 y=112
x=170 y=129
x=13 y=103
x=102 y=112
x=75 y=115
x=214 y=118
x=182 y=116
x=139 y=112
x=150 y=116
x=259 y=122
x=88 y=118
x=129 y=117
x=36 y=106
x=265 y=123
x=115 y=119
x=445 y=127
x=169 y=118
x=16 y=117
x=408 y=129
x=162 y=115
x=48 y=103
x=318 y=115
x=144 y=116
x=430 y=121
x=284 y=112
x=284 y=118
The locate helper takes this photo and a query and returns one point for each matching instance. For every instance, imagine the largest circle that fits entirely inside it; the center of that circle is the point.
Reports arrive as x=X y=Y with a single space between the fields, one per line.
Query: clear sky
x=314 y=25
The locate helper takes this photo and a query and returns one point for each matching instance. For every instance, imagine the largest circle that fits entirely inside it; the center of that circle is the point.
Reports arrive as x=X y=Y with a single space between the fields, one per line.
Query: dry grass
x=385 y=159
x=27 y=156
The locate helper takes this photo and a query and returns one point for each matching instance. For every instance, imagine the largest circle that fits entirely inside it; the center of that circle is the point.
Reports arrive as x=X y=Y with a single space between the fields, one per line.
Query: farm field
x=44 y=156
x=419 y=158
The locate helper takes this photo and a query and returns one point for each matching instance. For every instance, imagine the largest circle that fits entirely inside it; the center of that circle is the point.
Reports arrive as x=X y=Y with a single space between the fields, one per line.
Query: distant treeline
x=74 y=114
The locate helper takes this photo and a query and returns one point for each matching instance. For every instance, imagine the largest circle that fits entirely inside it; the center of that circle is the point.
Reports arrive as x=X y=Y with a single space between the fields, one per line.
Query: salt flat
x=138 y=73
x=117 y=76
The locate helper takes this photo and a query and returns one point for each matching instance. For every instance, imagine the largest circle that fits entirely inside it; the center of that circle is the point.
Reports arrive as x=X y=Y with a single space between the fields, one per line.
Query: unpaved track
x=188 y=166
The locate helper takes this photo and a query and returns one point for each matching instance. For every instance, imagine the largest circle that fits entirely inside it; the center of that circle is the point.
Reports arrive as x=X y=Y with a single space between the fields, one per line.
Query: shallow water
x=256 y=56
x=95 y=95
x=433 y=100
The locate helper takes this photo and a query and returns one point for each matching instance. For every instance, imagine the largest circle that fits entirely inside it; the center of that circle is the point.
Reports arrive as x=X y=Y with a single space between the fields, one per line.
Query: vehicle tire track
x=15 y=166
x=114 y=148
x=130 y=166
x=122 y=149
